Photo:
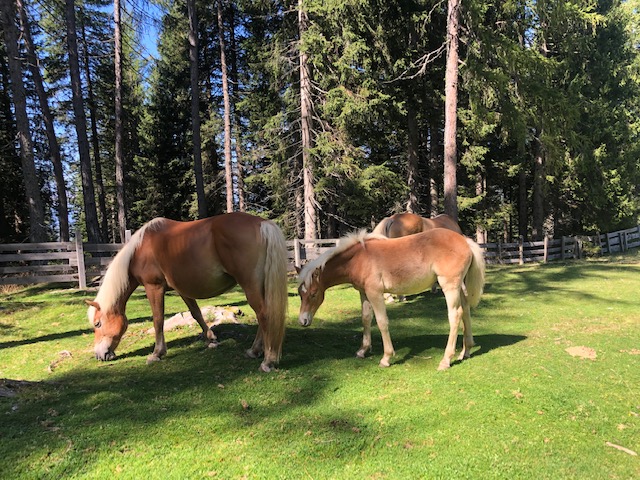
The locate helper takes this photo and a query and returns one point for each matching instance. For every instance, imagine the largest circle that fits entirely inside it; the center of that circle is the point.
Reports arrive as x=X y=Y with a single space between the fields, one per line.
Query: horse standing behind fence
x=374 y=264
x=198 y=259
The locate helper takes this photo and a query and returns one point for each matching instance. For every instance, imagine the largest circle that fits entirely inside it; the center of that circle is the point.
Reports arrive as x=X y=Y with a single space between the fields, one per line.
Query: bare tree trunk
x=236 y=115
x=95 y=141
x=228 y=167
x=88 y=192
x=481 y=188
x=54 y=147
x=413 y=204
x=195 y=108
x=310 y=212
x=450 y=112
x=538 y=189
x=433 y=168
x=119 y=134
x=522 y=202
x=37 y=231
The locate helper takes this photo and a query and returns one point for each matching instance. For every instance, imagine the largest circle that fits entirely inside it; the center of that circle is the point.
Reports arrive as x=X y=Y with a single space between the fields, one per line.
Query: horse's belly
x=411 y=285
x=203 y=283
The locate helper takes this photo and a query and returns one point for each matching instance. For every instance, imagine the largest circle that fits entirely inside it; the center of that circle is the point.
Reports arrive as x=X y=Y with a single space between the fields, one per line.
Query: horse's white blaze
x=102 y=347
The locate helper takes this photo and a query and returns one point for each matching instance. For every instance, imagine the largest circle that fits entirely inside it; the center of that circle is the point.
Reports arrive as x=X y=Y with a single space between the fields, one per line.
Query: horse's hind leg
x=155 y=295
x=208 y=335
x=367 y=316
x=467 y=339
x=455 y=314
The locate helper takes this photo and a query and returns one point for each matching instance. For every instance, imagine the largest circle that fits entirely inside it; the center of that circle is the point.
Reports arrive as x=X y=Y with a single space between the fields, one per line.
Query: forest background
x=324 y=115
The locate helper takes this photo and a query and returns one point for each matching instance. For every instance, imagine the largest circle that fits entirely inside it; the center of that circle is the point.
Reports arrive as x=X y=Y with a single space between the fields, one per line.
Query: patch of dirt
x=582 y=352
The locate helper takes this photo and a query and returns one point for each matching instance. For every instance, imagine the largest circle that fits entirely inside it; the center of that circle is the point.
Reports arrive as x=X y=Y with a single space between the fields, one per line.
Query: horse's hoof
x=213 y=344
x=265 y=368
x=443 y=366
x=152 y=359
x=384 y=363
x=360 y=353
x=251 y=354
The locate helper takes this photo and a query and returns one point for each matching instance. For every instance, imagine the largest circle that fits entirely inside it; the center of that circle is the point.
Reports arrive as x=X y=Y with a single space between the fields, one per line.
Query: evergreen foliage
x=548 y=132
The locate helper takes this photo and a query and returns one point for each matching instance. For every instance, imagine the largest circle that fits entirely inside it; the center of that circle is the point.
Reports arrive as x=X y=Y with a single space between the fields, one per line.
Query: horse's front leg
x=367 y=316
x=380 y=311
x=155 y=295
x=209 y=337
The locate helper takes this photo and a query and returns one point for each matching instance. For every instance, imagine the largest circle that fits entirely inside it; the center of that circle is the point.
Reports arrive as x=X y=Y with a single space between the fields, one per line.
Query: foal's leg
x=155 y=295
x=208 y=335
x=467 y=339
x=380 y=311
x=455 y=314
x=367 y=316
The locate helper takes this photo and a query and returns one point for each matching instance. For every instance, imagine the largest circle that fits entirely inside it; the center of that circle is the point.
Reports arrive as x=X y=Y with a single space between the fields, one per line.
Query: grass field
x=521 y=407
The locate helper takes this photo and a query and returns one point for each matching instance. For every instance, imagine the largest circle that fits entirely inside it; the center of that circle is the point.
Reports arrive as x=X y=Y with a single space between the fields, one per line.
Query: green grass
x=521 y=407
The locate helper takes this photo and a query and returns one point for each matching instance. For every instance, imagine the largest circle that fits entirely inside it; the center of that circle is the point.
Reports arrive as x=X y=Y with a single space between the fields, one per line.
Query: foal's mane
x=344 y=244
x=116 y=280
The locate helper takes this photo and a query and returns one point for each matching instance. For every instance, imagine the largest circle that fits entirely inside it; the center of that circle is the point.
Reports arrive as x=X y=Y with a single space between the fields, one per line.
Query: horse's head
x=109 y=327
x=311 y=297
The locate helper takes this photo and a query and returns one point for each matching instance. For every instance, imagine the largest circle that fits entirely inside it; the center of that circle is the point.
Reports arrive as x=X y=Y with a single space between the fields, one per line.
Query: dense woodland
x=324 y=115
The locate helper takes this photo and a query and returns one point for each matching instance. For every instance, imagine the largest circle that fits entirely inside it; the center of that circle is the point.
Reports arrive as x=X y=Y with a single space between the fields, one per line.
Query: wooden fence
x=85 y=264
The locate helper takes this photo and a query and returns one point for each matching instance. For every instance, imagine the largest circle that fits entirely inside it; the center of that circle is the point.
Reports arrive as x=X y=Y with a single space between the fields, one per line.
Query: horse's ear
x=298 y=269
x=96 y=305
x=316 y=273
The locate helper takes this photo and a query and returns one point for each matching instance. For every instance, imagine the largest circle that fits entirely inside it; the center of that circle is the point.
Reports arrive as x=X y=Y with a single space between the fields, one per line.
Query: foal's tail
x=474 y=280
x=275 y=287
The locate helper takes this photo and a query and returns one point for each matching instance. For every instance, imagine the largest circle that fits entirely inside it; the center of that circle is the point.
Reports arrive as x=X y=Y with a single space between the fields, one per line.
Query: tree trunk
x=119 y=134
x=195 y=108
x=450 y=112
x=235 y=86
x=310 y=213
x=228 y=167
x=538 y=189
x=88 y=192
x=433 y=168
x=522 y=202
x=413 y=205
x=37 y=232
x=54 y=147
x=95 y=141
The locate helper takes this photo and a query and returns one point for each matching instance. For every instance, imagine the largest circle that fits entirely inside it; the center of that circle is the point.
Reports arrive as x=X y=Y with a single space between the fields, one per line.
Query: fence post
x=545 y=255
x=296 y=252
x=562 y=247
x=521 y=249
x=82 y=273
x=127 y=236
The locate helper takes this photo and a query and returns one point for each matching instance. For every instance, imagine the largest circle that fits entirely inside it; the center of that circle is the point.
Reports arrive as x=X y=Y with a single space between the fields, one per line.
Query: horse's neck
x=336 y=270
x=119 y=304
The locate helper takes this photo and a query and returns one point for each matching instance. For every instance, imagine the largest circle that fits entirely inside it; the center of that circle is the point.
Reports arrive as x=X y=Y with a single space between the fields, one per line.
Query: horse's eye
x=98 y=324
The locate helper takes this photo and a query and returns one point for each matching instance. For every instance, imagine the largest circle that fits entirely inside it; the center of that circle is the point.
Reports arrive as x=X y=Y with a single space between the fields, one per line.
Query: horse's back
x=443 y=221
x=201 y=258
x=402 y=224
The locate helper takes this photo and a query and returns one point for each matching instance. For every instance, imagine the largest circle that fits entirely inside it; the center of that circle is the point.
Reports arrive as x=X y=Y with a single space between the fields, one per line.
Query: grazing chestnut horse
x=402 y=224
x=375 y=264
x=198 y=259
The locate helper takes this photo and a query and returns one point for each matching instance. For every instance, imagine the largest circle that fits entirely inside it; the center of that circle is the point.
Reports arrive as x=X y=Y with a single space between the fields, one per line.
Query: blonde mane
x=344 y=243
x=116 y=280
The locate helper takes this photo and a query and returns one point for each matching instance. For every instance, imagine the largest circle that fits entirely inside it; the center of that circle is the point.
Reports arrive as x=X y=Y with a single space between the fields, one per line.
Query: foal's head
x=311 y=297
x=109 y=327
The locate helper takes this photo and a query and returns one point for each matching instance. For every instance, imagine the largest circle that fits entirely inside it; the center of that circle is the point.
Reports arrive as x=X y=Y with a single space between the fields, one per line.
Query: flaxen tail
x=275 y=287
x=474 y=280
x=383 y=227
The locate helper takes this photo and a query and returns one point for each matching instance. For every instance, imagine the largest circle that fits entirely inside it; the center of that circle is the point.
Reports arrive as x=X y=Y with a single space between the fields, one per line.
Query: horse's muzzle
x=305 y=319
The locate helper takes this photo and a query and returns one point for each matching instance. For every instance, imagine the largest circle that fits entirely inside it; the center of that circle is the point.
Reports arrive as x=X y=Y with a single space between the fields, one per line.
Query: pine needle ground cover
x=551 y=391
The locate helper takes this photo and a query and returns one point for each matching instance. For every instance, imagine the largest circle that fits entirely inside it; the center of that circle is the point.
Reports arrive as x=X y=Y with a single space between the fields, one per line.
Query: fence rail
x=85 y=263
